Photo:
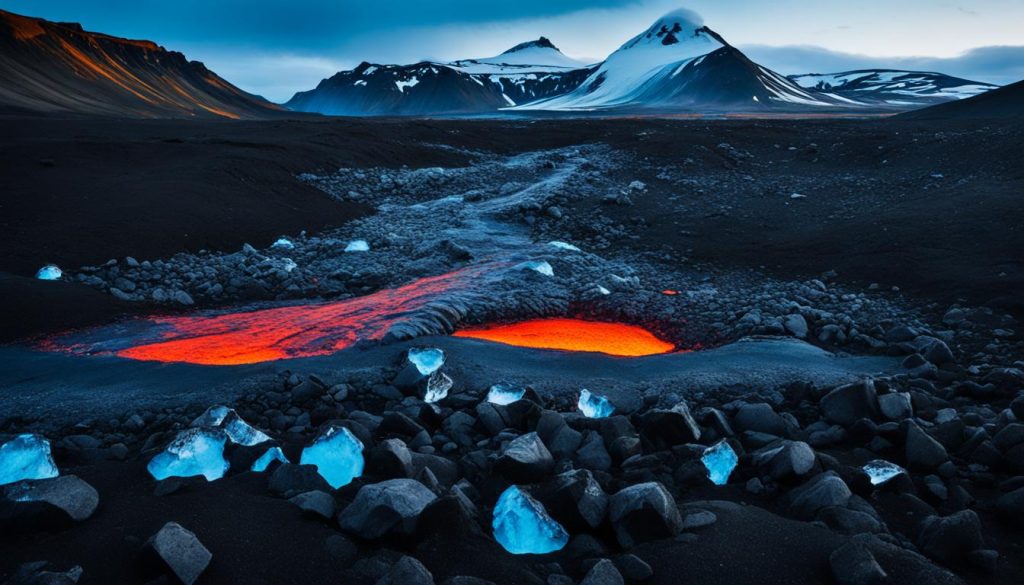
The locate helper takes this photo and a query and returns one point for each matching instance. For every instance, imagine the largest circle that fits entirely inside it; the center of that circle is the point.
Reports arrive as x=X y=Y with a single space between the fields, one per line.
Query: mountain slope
x=893 y=87
x=678 y=63
x=1004 y=102
x=58 y=68
x=526 y=72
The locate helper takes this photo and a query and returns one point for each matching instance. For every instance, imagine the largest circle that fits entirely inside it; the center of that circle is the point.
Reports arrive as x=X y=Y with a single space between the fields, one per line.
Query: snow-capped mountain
x=679 y=63
x=526 y=72
x=893 y=87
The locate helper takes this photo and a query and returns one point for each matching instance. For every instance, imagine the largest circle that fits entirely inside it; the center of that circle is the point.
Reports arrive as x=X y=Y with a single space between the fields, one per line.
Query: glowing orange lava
x=574 y=335
x=288 y=332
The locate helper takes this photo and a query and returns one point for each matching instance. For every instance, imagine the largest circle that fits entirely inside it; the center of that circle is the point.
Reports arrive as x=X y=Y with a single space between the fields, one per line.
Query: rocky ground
x=661 y=232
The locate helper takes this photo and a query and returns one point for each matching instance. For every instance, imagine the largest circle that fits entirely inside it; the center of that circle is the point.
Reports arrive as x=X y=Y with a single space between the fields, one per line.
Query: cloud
x=995 y=64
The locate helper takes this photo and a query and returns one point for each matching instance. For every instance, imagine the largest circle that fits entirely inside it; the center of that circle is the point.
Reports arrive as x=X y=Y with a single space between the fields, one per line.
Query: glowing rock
x=503 y=393
x=426 y=359
x=195 y=451
x=881 y=471
x=272 y=454
x=603 y=290
x=438 y=386
x=26 y=457
x=337 y=455
x=49 y=272
x=237 y=429
x=358 y=246
x=539 y=266
x=719 y=460
x=522 y=525
x=283 y=243
x=594 y=406
x=288 y=265
x=564 y=246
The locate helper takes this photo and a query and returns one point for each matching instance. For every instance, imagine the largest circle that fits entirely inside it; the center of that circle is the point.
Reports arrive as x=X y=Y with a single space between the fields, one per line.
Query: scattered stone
x=603 y=572
x=853 y=564
x=407 y=571
x=643 y=512
x=317 y=503
x=391 y=506
x=180 y=551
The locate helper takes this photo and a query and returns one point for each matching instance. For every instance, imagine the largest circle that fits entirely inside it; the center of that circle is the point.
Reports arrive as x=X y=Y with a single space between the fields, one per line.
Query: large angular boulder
x=825 y=490
x=760 y=418
x=951 y=538
x=847 y=404
x=525 y=460
x=784 y=461
x=388 y=507
x=63 y=496
x=853 y=564
x=180 y=551
x=643 y=512
x=575 y=499
x=407 y=571
x=664 y=429
x=922 y=451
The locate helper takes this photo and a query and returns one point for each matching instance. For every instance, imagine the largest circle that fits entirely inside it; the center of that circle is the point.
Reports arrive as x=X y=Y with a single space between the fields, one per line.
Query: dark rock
x=603 y=573
x=643 y=512
x=407 y=571
x=290 y=479
x=464 y=580
x=1011 y=508
x=525 y=460
x=896 y=405
x=388 y=507
x=633 y=568
x=592 y=453
x=389 y=459
x=452 y=515
x=180 y=551
x=825 y=490
x=694 y=519
x=71 y=496
x=559 y=437
x=316 y=503
x=761 y=418
x=951 y=538
x=785 y=461
x=666 y=428
x=853 y=564
x=42 y=573
x=847 y=404
x=922 y=451
x=575 y=499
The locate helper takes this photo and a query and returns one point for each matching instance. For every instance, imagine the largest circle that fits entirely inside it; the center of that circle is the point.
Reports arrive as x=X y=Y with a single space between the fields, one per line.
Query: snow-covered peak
x=674 y=40
x=531 y=56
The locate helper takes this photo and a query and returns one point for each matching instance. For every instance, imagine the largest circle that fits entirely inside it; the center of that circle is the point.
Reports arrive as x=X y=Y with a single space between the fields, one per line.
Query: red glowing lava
x=574 y=335
x=289 y=332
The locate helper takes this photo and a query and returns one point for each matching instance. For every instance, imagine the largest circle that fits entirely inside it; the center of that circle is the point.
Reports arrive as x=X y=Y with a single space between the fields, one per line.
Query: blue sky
x=278 y=47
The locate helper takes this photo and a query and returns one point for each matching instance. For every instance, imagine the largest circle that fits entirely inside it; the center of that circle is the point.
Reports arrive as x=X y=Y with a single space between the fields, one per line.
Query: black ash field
x=845 y=291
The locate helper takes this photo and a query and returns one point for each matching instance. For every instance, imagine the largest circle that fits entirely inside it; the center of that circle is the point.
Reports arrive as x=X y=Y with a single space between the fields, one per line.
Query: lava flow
x=574 y=335
x=288 y=332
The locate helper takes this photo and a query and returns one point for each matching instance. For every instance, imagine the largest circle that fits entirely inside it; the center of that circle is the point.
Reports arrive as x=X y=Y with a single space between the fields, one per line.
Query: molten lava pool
x=574 y=335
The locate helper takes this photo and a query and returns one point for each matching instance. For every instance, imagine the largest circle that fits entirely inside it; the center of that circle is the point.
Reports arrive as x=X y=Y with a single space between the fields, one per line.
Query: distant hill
x=59 y=68
x=893 y=87
x=1005 y=102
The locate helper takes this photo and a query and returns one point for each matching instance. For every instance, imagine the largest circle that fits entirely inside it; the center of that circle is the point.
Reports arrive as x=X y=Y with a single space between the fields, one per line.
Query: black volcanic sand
x=84 y=191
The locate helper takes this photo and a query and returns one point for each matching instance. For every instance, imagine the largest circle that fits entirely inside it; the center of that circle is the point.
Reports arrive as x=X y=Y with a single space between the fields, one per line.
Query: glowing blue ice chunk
x=593 y=405
x=564 y=246
x=195 y=451
x=272 y=454
x=49 y=272
x=337 y=455
x=237 y=429
x=719 y=460
x=358 y=246
x=603 y=290
x=26 y=457
x=522 y=525
x=426 y=359
x=539 y=266
x=880 y=471
x=438 y=386
x=283 y=243
x=503 y=393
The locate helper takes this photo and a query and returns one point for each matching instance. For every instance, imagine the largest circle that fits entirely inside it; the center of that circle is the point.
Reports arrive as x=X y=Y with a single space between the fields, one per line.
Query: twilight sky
x=278 y=47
